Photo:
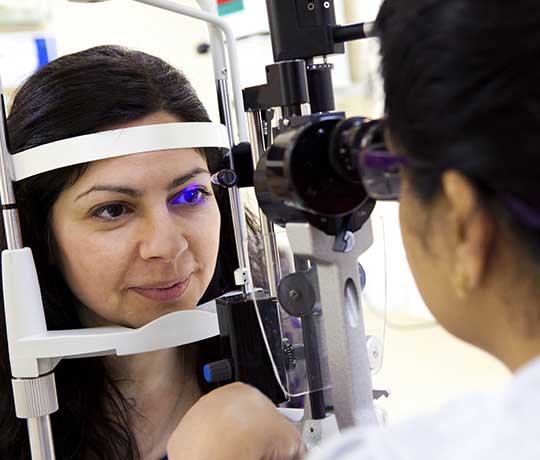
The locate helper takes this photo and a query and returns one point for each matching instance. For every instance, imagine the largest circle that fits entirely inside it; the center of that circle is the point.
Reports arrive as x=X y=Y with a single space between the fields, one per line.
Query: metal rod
x=313 y=367
x=10 y=218
x=237 y=209
x=41 y=439
x=225 y=109
x=271 y=253
x=239 y=227
x=311 y=339
x=7 y=196
x=351 y=32
x=270 y=247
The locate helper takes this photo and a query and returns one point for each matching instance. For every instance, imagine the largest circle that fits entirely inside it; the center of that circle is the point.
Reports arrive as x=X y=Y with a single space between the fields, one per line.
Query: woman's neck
x=162 y=385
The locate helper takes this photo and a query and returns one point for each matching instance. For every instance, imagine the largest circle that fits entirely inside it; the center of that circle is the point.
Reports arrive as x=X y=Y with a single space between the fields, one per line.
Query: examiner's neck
x=517 y=352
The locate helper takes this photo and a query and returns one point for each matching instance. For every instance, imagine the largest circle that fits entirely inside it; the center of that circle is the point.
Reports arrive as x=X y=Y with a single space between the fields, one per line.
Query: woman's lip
x=164 y=284
x=164 y=294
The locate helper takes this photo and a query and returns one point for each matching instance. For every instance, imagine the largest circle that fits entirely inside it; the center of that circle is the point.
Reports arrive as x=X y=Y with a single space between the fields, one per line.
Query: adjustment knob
x=218 y=371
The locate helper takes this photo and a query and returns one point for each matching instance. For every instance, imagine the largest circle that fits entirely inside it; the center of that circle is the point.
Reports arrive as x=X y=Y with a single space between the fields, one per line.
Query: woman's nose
x=162 y=238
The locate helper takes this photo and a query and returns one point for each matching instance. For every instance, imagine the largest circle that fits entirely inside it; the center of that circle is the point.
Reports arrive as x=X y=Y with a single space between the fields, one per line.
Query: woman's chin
x=157 y=312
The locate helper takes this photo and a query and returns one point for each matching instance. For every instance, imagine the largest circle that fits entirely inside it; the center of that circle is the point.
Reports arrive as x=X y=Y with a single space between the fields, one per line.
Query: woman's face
x=137 y=236
x=428 y=231
x=424 y=242
x=449 y=242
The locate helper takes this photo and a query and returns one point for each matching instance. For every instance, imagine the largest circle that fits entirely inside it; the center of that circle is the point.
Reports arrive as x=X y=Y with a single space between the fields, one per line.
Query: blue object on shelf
x=46 y=50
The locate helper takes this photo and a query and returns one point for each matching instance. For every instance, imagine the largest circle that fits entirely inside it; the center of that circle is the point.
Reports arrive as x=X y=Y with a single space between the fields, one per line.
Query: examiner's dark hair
x=462 y=94
x=78 y=94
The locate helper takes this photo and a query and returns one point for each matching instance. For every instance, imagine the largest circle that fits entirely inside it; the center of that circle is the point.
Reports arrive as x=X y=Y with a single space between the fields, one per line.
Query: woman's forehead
x=148 y=169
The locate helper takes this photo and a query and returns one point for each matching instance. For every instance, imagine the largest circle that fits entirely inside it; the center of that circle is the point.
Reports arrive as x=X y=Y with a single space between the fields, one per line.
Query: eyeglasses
x=381 y=177
x=380 y=169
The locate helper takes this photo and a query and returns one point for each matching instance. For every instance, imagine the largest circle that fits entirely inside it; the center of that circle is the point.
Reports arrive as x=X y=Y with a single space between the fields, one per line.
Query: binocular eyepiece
x=312 y=170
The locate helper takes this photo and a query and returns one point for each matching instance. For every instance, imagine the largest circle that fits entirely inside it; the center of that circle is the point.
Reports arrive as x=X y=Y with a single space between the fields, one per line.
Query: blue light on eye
x=192 y=195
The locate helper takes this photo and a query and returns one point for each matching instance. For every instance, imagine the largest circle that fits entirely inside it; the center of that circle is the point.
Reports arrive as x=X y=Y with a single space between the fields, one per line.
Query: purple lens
x=382 y=160
x=381 y=173
x=523 y=212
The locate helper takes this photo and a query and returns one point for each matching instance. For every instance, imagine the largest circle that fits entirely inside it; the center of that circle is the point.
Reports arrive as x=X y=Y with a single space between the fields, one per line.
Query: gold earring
x=460 y=284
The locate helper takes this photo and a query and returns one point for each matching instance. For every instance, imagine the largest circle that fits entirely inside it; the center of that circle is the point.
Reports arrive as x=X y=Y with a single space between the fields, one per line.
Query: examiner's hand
x=235 y=422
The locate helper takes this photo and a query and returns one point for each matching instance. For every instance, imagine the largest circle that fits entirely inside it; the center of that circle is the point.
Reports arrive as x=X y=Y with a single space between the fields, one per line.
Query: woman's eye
x=111 y=211
x=191 y=196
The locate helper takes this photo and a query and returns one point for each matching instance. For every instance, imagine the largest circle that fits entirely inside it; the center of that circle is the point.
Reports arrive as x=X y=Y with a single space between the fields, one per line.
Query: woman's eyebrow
x=111 y=188
x=134 y=193
x=185 y=177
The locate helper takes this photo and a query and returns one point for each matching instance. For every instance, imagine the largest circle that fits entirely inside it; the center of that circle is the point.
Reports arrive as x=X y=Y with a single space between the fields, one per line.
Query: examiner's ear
x=473 y=227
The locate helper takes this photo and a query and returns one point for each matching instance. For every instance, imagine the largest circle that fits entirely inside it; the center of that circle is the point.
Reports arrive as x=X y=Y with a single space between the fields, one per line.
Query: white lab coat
x=503 y=425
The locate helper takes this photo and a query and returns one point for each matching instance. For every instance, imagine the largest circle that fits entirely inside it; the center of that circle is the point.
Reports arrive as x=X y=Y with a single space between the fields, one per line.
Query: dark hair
x=74 y=95
x=463 y=94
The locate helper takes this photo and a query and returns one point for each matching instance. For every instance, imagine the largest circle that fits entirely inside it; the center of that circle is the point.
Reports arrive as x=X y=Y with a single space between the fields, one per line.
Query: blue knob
x=218 y=371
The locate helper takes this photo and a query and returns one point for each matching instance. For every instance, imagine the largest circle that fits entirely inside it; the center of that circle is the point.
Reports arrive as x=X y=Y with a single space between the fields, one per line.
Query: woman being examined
x=120 y=241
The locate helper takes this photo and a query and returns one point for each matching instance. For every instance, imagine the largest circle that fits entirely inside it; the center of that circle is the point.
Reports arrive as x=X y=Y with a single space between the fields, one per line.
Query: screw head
x=349 y=241
x=294 y=294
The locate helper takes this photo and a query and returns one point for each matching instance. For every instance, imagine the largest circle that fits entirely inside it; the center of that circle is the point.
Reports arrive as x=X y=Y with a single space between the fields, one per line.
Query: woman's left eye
x=191 y=196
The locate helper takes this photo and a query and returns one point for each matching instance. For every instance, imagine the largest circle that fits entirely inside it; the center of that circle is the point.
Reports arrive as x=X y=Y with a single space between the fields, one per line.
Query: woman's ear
x=473 y=227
